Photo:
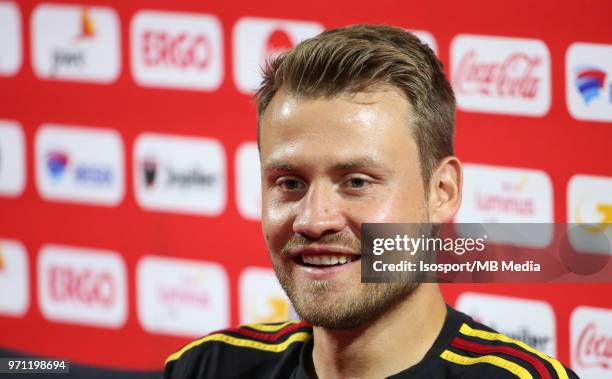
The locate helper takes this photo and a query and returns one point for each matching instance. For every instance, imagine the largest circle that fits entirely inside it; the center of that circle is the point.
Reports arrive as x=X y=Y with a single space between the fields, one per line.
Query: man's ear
x=445 y=190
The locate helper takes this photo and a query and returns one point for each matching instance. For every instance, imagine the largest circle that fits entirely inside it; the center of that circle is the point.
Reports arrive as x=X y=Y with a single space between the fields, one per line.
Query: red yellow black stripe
x=505 y=364
x=488 y=336
x=502 y=349
x=242 y=337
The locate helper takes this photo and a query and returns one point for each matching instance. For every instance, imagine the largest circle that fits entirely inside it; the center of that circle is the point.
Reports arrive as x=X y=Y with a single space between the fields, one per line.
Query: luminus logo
x=589 y=81
x=511 y=199
x=56 y=163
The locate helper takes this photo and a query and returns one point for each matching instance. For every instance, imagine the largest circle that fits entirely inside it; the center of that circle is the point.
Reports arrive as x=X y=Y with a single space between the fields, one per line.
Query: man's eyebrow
x=278 y=166
x=362 y=162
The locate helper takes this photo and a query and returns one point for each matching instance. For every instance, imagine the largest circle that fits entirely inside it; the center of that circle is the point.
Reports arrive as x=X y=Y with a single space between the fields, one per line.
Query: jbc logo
x=182 y=50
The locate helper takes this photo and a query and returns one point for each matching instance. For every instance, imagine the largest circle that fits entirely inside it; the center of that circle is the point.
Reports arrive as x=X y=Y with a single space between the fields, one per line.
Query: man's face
x=328 y=165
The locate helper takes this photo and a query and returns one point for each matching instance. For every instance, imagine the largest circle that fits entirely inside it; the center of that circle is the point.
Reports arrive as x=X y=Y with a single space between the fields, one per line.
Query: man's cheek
x=277 y=215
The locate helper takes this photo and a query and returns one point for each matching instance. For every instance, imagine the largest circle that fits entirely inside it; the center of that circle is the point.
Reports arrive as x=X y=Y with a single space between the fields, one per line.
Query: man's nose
x=319 y=212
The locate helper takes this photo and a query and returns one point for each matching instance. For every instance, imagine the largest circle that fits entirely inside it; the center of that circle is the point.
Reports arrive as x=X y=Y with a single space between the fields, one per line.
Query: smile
x=323 y=262
x=326 y=259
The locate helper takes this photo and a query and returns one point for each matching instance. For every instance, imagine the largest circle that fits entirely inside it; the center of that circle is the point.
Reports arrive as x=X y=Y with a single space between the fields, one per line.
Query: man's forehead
x=345 y=116
x=364 y=129
x=286 y=103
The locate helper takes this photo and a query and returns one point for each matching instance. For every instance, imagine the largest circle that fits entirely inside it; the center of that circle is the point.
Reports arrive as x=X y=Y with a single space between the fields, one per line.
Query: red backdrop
x=553 y=141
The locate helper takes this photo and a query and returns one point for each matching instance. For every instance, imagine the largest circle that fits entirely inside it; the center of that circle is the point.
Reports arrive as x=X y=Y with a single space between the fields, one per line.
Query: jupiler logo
x=175 y=177
x=179 y=174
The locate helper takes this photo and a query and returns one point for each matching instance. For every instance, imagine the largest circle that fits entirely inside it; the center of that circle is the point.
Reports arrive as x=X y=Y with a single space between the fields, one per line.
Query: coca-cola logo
x=594 y=349
x=180 y=50
x=513 y=77
x=84 y=286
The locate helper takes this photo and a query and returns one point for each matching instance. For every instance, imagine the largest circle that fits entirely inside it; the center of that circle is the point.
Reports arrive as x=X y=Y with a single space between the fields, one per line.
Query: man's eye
x=357 y=183
x=290 y=184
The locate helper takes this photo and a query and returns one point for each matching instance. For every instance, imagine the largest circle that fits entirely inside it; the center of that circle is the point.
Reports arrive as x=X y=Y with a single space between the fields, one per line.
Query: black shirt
x=463 y=349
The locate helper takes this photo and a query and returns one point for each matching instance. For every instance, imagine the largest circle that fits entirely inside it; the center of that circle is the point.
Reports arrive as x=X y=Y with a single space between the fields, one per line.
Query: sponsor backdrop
x=129 y=179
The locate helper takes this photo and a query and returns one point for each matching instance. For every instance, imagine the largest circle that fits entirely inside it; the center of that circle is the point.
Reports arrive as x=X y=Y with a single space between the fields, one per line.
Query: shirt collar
x=451 y=324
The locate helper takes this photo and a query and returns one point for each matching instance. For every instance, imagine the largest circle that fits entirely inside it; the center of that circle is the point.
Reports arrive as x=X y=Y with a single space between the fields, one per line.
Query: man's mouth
x=322 y=260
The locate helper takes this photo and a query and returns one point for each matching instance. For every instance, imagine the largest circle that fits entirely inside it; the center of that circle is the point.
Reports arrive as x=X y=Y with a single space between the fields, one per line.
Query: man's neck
x=393 y=342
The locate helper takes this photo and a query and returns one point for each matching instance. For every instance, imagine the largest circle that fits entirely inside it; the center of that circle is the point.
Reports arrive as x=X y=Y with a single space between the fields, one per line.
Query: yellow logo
x=279 y=310
x=604 y=209
x=2 y=263
x=518 y=186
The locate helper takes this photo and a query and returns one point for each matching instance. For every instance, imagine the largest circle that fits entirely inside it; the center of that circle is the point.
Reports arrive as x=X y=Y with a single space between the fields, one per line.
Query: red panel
x=557 y=144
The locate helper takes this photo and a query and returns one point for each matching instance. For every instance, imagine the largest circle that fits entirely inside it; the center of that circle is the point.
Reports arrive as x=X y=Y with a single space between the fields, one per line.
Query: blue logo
x=100 y=176
x=56 y=163
x=589 y=81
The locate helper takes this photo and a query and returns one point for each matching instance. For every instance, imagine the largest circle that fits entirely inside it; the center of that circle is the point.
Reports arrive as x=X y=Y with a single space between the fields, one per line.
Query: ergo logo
x=177 y=50
x=82 y=286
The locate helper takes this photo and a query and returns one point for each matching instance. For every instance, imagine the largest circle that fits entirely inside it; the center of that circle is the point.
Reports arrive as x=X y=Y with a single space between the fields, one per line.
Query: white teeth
x=325 y=260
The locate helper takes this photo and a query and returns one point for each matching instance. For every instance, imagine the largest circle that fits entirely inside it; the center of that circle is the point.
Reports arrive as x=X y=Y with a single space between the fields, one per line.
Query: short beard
x=371 y=302
x=316 y=304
